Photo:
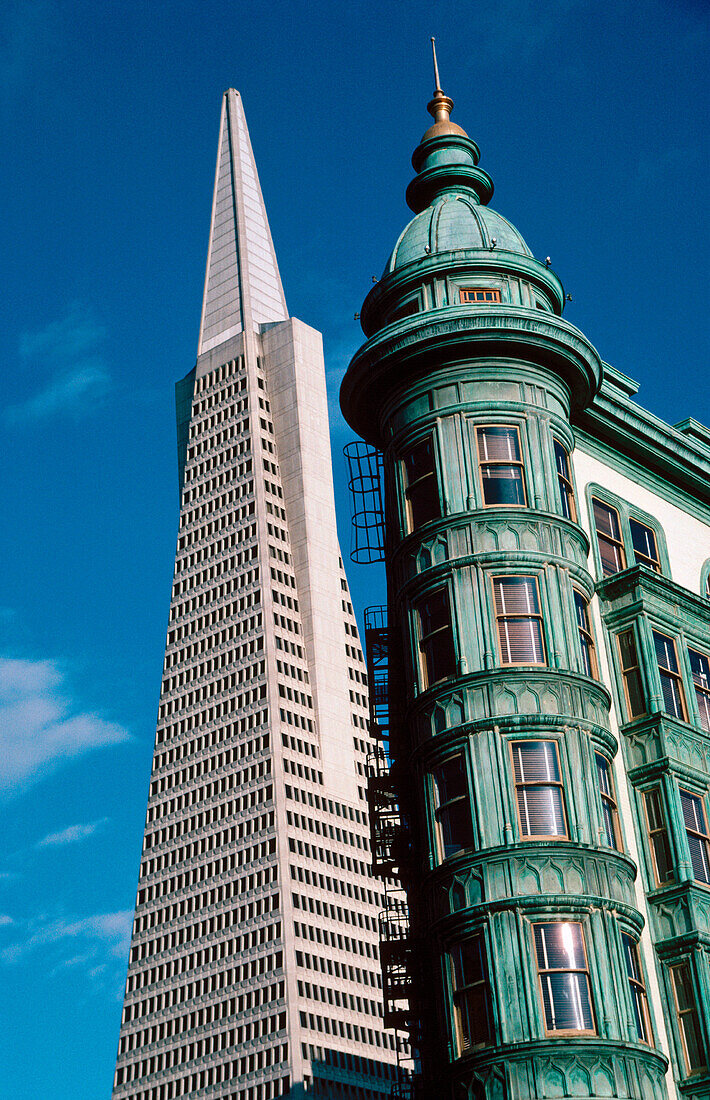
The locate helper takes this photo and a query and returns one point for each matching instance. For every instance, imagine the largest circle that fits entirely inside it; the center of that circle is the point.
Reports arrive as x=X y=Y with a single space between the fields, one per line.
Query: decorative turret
x=461 y=275
x=521 y=898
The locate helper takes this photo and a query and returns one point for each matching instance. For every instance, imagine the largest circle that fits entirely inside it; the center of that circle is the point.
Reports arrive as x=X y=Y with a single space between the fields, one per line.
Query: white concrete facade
x=253 y=969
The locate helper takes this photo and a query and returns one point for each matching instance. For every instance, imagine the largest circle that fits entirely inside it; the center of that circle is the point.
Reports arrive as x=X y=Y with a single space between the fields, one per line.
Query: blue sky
x=591 y=119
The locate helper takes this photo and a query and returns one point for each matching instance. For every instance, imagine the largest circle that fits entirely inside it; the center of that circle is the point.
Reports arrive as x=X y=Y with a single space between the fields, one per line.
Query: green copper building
x=547 y=546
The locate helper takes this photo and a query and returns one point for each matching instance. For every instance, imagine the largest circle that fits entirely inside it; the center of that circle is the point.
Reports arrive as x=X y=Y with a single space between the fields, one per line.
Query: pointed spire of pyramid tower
x=242 y=283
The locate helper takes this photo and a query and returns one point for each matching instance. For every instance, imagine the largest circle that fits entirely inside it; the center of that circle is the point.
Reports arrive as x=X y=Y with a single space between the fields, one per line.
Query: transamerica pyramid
x=253 y=969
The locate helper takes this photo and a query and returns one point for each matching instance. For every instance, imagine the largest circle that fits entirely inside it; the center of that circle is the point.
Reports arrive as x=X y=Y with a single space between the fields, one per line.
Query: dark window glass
x=452 y=810
x=696 y=830
x=671 y=683
x=688 y=1018
x=564 y=981
x=637 y=988
x=501 y=466
x=564 y=480
x=610 y=816
x=631 y=673
x=700 y=668
x=538 y=789
x=608 y=528
x=436 y=642
x=472 y=1011
x=644 y=543
x=421 y=489
x=586 y=638
x=658 y=835
x=519 y=621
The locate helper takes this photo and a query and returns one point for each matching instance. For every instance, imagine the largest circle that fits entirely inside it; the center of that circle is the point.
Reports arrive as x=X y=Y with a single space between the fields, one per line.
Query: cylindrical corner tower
x=522 y=906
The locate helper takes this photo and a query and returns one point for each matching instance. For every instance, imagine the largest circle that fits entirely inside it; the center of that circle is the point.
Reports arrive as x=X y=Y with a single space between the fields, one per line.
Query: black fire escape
x=387 y=830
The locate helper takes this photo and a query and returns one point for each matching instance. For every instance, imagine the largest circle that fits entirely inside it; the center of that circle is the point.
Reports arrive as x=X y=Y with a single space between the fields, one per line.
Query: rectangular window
x=564 y=481
x=452 y=808
x=538 y=789
x=688 y=1018
x=658 y=835
x=501 y=465
x=472 y=1010
x=436 y=643
x=700 y=669
x=631 y=673
x=564 y=979
x=608 y=528
x=610 y=815
x=671 y=683
x=586 y=638
x=519 y=621
x=696 y=830
x=637 y=988
x=643 y=540
x=479 y=294
x=421 y=489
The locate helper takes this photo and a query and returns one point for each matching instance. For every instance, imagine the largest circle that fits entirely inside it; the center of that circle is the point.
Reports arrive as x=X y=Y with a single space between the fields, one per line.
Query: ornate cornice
x=410 y=347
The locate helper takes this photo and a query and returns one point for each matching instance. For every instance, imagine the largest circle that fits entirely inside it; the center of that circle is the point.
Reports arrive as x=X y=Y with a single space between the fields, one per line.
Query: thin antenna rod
x=437 y=86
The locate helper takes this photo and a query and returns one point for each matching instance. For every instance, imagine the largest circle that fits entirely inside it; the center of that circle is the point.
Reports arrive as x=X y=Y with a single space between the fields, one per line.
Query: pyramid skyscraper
x=253 y=969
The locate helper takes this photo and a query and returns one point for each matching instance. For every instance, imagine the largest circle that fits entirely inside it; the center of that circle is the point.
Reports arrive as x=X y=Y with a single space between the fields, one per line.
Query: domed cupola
x=453 y=222
x=461 y=281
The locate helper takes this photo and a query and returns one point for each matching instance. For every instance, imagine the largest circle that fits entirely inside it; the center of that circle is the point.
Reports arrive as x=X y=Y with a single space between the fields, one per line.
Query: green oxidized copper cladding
x=455 y=237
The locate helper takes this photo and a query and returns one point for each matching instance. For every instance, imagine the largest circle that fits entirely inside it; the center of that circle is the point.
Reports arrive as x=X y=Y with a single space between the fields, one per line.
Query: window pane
x=669 y=674
x=500 y=462
x=436 y=637
x=586 y=642
x=471 y=968
x=470 y=994
x=420 y=461
x=421 y=485
x=609 y=809
x=516 y=596
x=563 y=979
x=434 y=612
x=644 y=543
x=632 y=673
x=541 y=811
x=696 y=832
x=503 y=485
x=519 y=623
x=559 y=945
x=561 y=460
x=521 y=641
x=606 y=522
x=687 y=1013
x=665 y=652
x=440 y=658
x=498 y=444
x=700 y=669
x=564 y=480
x=536 y=760
x=658 y=833
x=450 y=780
x=567 y=1002
x=456 y=828
x=453 y=811
x=636 y=988
x=423 y=502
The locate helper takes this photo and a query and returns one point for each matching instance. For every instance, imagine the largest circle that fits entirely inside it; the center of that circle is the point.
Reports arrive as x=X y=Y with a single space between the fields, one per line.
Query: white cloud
x=69 y=349
x=4 y=919
x=73 y=834
x=39 y=727
x=89 y=938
